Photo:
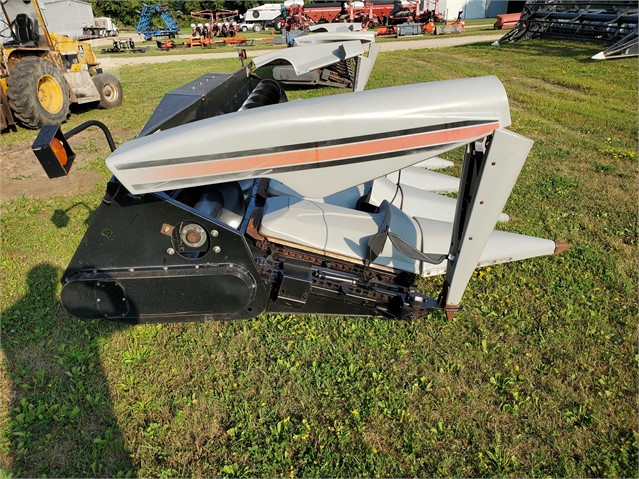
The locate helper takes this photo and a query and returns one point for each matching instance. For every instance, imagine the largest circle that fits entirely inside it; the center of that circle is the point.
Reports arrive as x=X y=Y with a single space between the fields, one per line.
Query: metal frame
x=614 y=23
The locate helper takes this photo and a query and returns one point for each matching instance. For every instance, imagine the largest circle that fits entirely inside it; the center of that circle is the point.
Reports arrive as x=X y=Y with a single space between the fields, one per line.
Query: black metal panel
x=132 y=247
x=296 y=282
x=218 y=291
x=208 y=96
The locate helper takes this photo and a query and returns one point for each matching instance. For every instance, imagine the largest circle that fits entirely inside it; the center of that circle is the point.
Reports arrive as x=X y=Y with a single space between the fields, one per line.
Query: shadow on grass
x=61 y=421
x=583 y=51
x=60 y=218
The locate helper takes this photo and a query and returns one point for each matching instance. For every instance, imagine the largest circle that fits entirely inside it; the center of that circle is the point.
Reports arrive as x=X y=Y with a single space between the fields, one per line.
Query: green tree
x=124 y=13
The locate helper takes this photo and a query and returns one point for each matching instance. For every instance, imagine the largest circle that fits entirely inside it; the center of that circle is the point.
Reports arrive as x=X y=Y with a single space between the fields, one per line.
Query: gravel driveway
x=448 y=41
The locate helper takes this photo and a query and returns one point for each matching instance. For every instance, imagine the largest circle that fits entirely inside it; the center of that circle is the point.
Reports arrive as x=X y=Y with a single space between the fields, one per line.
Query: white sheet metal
x=365 y=67
x=338 y=231
x=332 y=37
x=416 y=202
x=412 y=201
x=503 y=162
x=369 y=128
x=345 y=232
x=312 y=57
x=500 y=247
x=435 y=163
x=425 y=180
x=335 y=27
x=347 y=198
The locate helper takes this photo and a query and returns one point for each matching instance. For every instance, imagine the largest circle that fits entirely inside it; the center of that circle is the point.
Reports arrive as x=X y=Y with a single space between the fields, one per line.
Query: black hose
x=88 y=124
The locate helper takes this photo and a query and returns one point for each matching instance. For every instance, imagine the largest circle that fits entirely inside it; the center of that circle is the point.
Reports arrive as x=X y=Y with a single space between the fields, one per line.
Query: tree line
x=128 y=13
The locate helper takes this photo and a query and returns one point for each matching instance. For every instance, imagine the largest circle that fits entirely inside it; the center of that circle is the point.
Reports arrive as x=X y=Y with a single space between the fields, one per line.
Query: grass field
x=537 y=376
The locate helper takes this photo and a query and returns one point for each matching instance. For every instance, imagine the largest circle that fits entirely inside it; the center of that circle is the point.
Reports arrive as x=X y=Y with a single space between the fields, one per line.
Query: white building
x=66 y=17
x=477 y=8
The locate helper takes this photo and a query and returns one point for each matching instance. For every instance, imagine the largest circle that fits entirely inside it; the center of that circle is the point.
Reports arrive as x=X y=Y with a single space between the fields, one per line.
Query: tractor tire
x=257 y=28
x=110 y=90
x=38 y=93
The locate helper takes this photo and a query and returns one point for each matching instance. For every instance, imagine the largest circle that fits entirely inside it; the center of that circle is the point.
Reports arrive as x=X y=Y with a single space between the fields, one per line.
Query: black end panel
x=221 y=291
x=152 y=259
x=208 y=96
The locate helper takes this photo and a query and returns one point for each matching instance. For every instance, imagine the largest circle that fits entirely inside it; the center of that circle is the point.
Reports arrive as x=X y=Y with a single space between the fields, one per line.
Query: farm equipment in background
x=166 y=44
x=234 y=202
x=507 y=21
x=43 y=73
x=613 y=23
x=293 y=22
x=220 y=24
x=123 y=46
x=148 y=18
x=408 y=19
x=409 y=11
x=358 y=12
x=368 y=12
x=262 y=17
x=456 y=26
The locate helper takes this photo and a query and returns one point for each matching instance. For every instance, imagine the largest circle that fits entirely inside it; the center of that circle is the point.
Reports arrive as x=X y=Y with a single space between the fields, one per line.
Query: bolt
x=215 y=233
x=193 y=237
x=170 y=251
x=217 y=249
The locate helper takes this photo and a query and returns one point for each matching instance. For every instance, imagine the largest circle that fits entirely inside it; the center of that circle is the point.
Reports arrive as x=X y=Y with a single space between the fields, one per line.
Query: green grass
x=537 y=376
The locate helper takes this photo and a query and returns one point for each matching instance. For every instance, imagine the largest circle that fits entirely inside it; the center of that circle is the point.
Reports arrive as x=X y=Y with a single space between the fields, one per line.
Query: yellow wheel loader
x=43 y=73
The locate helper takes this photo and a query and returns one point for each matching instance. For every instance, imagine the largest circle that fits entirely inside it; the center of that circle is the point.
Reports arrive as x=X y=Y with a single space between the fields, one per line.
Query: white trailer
x=67 y=17
x=261 y=17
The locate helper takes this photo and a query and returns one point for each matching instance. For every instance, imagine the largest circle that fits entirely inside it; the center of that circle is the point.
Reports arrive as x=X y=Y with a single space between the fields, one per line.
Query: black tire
x=110 y=90
x=38 y=93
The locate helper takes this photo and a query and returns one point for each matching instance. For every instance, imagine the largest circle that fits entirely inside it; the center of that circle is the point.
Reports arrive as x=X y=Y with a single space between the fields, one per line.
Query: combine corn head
x=342 y=59
x=612 y=23
x=233 y=202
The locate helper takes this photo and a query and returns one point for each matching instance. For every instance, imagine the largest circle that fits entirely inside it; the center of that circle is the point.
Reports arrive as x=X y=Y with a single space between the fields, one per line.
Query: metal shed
x=479 y=8
x=67 y=17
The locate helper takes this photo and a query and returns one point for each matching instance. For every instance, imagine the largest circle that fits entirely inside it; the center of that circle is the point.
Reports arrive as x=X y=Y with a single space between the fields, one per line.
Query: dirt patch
x=21 y=175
